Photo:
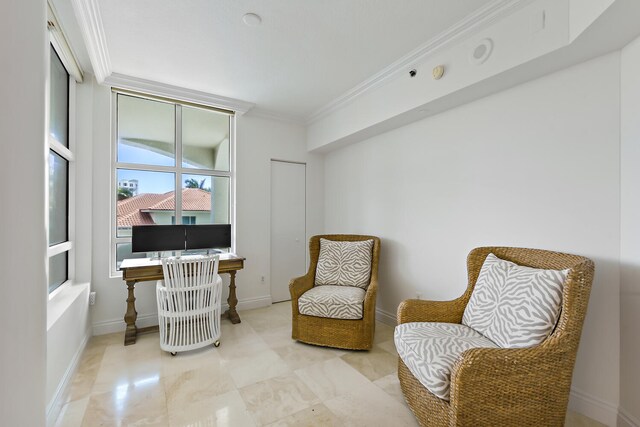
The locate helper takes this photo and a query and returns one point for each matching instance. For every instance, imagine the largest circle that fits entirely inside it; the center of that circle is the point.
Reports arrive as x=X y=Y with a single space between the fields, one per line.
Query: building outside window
x=160 y=146
x=59 y=165
x=188 y=220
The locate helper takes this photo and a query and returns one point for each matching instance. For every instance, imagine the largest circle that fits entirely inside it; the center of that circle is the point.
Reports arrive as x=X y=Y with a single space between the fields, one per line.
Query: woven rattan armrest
x=494 y=380
x=370 y=296
x=300 y=285
x=414 y=310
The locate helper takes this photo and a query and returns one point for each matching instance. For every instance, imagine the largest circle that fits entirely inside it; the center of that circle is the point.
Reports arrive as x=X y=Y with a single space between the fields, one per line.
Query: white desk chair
x=189 y=303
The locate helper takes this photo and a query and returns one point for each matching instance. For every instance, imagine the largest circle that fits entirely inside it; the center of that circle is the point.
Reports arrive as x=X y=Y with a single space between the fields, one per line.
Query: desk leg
x=231 y=313
x=131 y=315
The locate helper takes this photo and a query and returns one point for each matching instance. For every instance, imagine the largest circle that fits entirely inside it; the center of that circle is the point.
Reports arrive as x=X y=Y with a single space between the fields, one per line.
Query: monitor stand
x=156 y=256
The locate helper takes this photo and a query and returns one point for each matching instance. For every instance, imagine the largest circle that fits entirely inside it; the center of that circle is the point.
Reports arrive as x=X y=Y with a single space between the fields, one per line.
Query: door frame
x=306 y=251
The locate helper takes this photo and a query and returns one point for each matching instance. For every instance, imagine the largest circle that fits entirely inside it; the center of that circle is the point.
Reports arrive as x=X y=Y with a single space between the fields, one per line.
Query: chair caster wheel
x=216 y=344
x=173 y=353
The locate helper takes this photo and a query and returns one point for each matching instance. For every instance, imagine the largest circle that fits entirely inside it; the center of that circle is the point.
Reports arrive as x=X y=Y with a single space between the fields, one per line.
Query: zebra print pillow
x=515 y=306
x=344 y=263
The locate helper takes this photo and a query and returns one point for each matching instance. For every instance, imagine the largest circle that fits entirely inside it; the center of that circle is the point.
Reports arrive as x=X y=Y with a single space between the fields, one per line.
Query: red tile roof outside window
x=135 y=210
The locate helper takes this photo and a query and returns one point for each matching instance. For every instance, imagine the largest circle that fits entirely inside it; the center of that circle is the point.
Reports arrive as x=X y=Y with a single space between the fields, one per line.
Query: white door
x=288 y=241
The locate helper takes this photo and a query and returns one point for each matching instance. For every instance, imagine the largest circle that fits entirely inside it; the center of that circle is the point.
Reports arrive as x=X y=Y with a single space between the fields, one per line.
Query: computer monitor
x=157 y=238
x=213 y=236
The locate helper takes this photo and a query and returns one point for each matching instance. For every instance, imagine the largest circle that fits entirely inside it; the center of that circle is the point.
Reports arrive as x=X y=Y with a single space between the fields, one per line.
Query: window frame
x=67 y=153
x=178 y=169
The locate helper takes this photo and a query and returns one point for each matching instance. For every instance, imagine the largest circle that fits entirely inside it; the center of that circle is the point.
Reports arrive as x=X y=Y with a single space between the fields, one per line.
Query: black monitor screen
x=208 y=236
x=152 y=238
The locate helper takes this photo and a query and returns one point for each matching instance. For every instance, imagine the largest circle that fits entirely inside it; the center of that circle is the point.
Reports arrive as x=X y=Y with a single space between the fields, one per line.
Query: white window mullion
x=60 y=149
x=178 y=193
x=59 y=248
x=232 y=180
x=71 y=183
x=114 y=188
x=136 y=166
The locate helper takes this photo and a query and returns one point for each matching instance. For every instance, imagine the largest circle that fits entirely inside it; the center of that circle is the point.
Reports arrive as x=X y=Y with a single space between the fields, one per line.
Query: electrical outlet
x=92 y=298
x=418 y=295
x=262 y=279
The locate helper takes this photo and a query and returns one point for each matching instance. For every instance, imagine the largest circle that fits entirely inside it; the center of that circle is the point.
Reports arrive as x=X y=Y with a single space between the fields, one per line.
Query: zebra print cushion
x=513 y=305
x=344 y=263
x=336 y=302
x=431 y=349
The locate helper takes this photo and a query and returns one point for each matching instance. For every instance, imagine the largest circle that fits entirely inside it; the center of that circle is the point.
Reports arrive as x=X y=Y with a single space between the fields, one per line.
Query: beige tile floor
x=257 y=377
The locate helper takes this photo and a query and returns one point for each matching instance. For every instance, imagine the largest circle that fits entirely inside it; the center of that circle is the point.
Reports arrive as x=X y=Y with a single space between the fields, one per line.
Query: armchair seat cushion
x=336 y=302
x=431 y=349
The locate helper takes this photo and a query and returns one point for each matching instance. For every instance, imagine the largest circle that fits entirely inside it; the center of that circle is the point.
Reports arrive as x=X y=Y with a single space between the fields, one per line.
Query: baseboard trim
x=625 y=419
x=118 y=325
x=151 y=319
x=593 y=407
x=386 y=317
x=56 y=404
x=251 y=303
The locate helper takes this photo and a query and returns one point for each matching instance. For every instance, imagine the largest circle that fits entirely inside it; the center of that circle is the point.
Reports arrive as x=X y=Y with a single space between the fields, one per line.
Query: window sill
x=62 y=298
x=60 y=289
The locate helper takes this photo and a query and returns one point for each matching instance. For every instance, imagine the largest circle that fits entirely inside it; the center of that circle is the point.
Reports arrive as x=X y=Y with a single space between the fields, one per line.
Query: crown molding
x=175 y=92
x=482 y=17
x=88 y=16
x=90 y=22
x=273 y=115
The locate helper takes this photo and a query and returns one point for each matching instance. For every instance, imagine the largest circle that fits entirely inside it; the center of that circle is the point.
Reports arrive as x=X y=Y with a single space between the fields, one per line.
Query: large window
x=172 y=166
x=60 y=158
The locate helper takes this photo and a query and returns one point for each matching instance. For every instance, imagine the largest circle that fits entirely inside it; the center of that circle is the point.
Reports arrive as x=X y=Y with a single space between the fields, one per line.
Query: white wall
x=630 y=237
x=111 y=293
x=23 y=238
x=533 y=166
x=258 y=140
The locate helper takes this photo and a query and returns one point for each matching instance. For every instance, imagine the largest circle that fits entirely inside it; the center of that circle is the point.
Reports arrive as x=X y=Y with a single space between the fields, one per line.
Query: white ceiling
x=304 y=55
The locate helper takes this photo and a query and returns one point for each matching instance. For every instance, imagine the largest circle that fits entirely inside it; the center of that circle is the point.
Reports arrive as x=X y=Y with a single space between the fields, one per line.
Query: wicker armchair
x=339 y=333
x=505 y=387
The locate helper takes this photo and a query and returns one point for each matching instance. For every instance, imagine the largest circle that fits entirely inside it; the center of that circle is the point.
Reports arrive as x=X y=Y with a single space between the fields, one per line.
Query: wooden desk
x=136 y=270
